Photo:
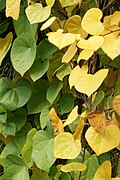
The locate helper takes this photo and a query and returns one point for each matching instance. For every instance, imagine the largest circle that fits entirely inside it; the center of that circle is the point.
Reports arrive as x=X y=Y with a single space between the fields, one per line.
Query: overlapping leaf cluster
x=60 y=89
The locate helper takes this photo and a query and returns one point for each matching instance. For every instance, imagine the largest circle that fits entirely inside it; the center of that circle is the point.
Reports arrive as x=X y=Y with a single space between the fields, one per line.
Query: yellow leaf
x=103 y=172
x=91 y=21
x=116 y=104
x=13 y=8
x=70 y=53
x=73 y=25
x=76 y=74
x=85 y=54
x=66 y=3
x=61 y=39
x=89 y=83
x=115 y=19
x=72 y=116
x=56 y=122
x=73 y=166
x=79 y=129
x=50 y=2
x=65 y=147
x=5 y=45
x=93 y=43
x=111 y=45
x=47 y=23
x=102 y=143
x=37 y=13
x=97 y=120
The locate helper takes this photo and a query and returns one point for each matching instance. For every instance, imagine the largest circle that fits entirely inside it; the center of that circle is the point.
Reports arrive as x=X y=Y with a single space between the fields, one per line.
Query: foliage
x=59 y=89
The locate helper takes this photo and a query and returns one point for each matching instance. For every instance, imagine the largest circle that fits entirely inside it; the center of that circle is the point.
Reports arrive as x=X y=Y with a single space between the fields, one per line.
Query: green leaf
x=65 y=176
x=40 y=175
x=44 y=117
x=15 y=168
x=37 y=13
x=19 y=118
x=20 y=137
x=63 y=71
x=43 y=150
x=43 y=46
x=2 y=4
x=92 y=165
x=23 y=52
x=38 y=99
x=20 y=93
x=9 y=129
x=23 y=25
x=66 y=103
x=3 y=114
x=38 y=69
x=98 y=98
x=10 y=148
x=53 y=90
x=27 y=148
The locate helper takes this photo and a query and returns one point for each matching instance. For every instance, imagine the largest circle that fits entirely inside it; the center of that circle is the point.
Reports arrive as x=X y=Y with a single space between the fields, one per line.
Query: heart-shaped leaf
x=89 y=83
x=43 y=150
x=93 y=43
x=73 y=25
x=14 y=96
x=37 y=13
x=103 y=142
x=61 y=39
x=23 y=53
x=104 y=171
x=65 y=147
x=111 y=45
x=91 y=21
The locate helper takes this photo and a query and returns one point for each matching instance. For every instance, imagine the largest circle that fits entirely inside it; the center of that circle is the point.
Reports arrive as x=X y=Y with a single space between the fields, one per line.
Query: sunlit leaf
x=79 y=129
x=61 y=39
x=65 y=147
x=89 y=83
x=104 y=171
x=93 y=43
x=47 y=23
x=116 y=104
x=50 y=2
x=85 y=54
x=5 y=45
x=72 y=116
x=76 y=74
x=102 y=143
x=73 y=166
x=111 y=45
x=70 y=53
x=69 y=2
x=91 y=21
x=73 y=25
x=13 y=8
x=37 y=13
x=56 y=122
x=97 y=120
